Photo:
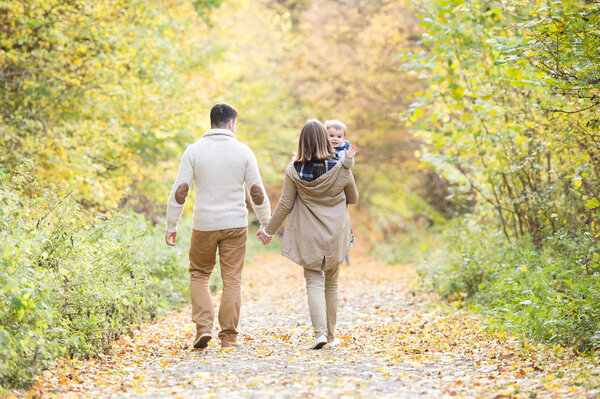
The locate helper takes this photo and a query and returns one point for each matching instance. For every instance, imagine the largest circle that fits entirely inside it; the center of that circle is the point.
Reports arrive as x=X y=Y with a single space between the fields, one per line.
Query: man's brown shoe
x=201 y=340
x=229 y=344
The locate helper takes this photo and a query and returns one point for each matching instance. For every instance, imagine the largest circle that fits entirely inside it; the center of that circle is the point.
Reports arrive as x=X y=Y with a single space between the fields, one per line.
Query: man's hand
x=262 y=237
x=351 y=151
x=170 y=238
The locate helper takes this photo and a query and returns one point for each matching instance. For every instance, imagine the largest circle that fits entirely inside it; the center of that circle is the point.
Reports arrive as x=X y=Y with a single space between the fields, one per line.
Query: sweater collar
x=219 y=132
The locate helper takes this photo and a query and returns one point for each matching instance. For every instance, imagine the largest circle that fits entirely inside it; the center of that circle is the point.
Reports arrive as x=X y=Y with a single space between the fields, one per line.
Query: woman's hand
x=351 y=151
x=262 y=237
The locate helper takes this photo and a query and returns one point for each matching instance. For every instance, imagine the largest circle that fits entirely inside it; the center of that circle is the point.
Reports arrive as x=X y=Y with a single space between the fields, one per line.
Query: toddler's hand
x=351 y=151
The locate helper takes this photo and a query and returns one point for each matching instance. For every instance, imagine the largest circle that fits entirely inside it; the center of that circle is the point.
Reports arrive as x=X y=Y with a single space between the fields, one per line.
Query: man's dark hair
x=221 y=114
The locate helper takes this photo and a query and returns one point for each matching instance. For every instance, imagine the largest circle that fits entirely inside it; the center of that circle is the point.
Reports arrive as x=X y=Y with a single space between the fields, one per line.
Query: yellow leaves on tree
x=92 y=90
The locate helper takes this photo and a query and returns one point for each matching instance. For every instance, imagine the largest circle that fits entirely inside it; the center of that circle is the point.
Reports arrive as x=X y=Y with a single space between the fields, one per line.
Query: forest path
x=393 y=344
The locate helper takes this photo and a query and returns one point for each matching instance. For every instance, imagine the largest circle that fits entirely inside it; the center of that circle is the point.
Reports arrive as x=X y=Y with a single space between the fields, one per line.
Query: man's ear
x=230 y=124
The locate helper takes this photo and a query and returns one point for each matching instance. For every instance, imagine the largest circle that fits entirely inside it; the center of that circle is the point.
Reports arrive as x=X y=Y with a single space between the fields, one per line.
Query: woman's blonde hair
x=313 y=144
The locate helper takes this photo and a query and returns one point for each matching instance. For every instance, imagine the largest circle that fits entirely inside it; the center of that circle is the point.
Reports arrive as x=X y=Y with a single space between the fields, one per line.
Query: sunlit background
x=476 y=122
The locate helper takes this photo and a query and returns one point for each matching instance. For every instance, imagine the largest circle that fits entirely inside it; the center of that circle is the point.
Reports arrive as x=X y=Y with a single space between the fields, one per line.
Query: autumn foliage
x=93 y=97
x=510 y=117
x=477 y=126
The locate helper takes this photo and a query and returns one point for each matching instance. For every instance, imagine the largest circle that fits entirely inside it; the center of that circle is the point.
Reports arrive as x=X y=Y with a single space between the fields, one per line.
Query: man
x=221 y=166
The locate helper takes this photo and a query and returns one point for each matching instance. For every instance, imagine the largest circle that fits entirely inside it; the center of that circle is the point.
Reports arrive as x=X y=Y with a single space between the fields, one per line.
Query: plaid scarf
x=312 y=170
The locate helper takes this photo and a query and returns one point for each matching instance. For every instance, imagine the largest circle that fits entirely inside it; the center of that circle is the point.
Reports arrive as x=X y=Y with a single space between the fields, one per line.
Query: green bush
x=70 y=285
x=414 y=245
x=549 y=293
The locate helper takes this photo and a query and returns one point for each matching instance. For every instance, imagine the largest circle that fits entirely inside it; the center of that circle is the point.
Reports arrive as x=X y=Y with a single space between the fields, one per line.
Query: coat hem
x=317 y=262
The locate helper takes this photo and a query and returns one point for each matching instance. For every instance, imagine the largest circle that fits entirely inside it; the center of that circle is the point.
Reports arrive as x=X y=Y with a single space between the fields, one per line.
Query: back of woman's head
x=313 y=144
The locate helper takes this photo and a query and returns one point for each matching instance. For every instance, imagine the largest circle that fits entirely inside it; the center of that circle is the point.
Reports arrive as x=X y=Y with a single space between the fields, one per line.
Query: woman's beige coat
x=318 y=225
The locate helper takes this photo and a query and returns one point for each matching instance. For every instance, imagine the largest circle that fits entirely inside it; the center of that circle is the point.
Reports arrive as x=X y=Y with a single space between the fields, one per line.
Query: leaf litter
x=395 y=342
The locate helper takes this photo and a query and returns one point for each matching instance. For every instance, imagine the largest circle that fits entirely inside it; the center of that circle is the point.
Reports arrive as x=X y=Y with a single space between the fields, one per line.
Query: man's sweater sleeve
x=179 y=192
x=256 y=190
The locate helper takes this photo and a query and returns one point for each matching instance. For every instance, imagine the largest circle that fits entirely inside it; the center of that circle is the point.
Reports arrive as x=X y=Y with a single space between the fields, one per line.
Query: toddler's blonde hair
x=335 y=124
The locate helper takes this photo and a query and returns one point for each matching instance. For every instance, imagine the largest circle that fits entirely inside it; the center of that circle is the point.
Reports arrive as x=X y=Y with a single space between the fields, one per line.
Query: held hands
x=262 y=237
x=351 y=151
x=170 y=238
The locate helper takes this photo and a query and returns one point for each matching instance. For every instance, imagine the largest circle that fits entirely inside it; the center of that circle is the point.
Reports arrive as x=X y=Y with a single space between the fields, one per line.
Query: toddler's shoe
x=352 y=241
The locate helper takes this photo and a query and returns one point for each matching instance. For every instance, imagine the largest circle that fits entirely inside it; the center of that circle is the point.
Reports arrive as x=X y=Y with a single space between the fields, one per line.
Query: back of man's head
x=221 y=114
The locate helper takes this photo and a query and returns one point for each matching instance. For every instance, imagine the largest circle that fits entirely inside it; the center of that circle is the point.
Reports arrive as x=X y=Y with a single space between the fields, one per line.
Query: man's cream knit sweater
x=220 y=166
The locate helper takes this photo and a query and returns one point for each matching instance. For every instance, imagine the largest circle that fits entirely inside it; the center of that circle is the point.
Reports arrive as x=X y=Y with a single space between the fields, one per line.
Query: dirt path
x=393 y=345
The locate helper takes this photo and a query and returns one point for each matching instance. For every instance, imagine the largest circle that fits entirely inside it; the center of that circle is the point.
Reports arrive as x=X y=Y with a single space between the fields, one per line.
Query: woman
x=316 y=189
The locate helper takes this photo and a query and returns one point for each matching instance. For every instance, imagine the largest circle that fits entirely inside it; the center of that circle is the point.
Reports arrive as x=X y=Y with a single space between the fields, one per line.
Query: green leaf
x=16 y=302
x=593 y=203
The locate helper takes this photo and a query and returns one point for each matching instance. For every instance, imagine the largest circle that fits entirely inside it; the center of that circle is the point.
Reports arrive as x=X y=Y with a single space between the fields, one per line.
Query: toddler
x=336 y=132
